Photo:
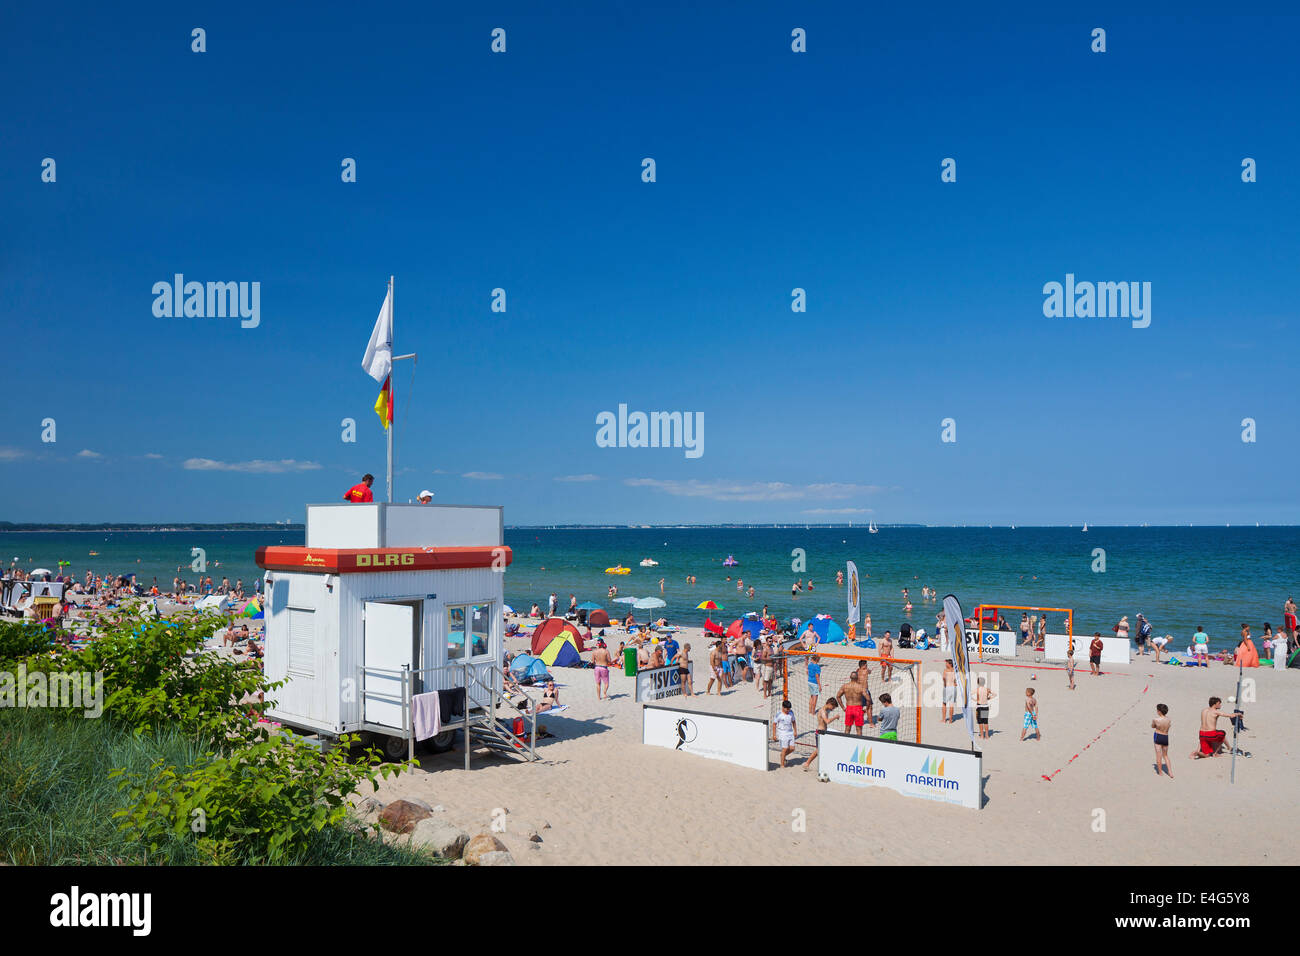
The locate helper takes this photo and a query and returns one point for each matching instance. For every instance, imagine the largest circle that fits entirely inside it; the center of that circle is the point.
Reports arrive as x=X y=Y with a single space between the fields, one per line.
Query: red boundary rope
x=1098 y=737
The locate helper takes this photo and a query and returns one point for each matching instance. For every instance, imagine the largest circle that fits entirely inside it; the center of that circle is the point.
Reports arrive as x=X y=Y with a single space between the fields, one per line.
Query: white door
x=390 y=630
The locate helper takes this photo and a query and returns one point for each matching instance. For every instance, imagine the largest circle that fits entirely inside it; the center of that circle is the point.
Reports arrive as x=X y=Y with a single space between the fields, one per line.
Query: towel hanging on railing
x=451 y=703
x=426 y=715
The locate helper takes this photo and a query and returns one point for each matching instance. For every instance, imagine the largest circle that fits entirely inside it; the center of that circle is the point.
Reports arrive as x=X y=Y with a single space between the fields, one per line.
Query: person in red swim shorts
x=1213 y=740
x=851 y=696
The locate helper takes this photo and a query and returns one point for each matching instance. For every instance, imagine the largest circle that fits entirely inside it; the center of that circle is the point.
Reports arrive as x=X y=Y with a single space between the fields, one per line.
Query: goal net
x=1039 y=621
x=903 y=686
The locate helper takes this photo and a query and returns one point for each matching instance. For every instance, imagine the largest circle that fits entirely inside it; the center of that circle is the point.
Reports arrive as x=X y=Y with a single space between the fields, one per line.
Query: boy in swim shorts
x=783 y=730
x=982 y=697
x=949 y=692
x=1031 y=715
x=889 y=715
x=1161 y=726
x=823 y=724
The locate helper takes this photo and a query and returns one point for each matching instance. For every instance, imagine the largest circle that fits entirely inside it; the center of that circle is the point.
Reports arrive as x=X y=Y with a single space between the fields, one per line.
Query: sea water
x=1178 y=577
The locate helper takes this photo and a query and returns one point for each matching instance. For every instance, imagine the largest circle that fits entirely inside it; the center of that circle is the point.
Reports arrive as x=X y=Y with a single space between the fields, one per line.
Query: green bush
x=59 y=800
x=245 y=796
x=265 y=800
x=153 y=677
x=18 y=641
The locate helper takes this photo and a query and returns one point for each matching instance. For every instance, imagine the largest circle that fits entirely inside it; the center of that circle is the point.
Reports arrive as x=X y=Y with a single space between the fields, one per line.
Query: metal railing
x=469 y=678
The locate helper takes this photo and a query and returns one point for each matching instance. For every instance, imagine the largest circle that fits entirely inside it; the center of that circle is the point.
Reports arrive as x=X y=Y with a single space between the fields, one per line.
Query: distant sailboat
x=872 y=528
x=1085 y=526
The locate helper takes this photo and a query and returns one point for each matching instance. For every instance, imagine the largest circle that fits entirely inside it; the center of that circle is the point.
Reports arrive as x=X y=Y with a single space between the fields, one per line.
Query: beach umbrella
x=625 y=600
x=589 y=606
x=649 y=603
x=507 y=609
x=42 y=571
x=709 y=606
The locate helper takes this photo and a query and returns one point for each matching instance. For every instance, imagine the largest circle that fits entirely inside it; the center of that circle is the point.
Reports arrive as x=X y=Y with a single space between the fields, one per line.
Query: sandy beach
x=602 y=797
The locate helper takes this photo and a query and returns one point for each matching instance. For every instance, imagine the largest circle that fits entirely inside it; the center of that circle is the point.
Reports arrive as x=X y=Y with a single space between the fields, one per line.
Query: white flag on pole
x=379 y=353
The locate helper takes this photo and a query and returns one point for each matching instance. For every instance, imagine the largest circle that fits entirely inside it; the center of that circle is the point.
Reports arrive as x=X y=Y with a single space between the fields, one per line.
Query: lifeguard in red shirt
x=360 y=493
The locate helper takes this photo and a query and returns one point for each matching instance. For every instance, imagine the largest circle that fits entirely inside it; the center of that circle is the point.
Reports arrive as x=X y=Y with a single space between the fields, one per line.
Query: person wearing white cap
x=425 y=496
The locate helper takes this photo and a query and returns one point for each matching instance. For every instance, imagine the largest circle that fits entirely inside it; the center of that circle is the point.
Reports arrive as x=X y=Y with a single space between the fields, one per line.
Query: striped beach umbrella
x=709 y=606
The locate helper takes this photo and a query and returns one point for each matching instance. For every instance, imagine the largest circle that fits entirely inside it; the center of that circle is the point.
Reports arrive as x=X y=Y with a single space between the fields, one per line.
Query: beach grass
x=57 y=799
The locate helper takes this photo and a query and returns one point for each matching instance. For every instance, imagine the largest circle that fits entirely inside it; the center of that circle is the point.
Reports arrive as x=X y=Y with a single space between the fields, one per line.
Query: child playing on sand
x=982 y=697
x=783 y=729
x=889 y=715
x=1031 y=715
x=823 y=724
x=1161 y=726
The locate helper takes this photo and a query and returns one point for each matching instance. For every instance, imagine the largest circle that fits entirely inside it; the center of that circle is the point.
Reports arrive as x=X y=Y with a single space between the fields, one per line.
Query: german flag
x=384 y=403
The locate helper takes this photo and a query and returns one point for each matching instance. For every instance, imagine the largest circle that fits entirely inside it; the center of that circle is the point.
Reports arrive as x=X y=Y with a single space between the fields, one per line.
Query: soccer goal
x=903 y=687
x=994 y=628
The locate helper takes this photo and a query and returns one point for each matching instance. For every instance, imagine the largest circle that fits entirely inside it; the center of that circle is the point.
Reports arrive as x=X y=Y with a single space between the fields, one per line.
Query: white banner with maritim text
x=914 y=770
x=657 y=683
x=739 y=740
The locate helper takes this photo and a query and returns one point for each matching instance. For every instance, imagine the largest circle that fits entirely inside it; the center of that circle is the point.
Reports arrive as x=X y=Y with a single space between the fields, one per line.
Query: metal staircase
x=495 y=734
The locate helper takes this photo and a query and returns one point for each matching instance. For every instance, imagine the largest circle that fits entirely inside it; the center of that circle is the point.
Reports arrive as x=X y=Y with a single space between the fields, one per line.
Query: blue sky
x=775 y=170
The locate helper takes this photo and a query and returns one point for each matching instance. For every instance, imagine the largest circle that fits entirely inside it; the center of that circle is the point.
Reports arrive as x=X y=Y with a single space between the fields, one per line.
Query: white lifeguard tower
x=384 y=602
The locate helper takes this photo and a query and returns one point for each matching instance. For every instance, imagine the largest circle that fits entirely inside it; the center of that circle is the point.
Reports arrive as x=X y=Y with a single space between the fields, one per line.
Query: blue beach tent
x=827 y=631
x=525 y=666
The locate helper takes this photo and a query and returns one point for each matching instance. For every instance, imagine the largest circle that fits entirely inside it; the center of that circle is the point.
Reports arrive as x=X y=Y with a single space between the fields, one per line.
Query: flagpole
x=392 y=424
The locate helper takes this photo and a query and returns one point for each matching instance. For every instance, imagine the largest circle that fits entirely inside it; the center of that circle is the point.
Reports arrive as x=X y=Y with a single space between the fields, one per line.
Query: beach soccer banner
x=855 y=614
x=954 y=619
x=990 y=643
x=914 y=770
x=657 y=683
x=739 y=740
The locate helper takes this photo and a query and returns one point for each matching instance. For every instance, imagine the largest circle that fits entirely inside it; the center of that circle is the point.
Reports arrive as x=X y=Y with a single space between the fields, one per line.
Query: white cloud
x=257 y=466
x=153 y=455
x=11 y=454
x=578 y=478
x=719 y=490
x=836 y=511
x=87 y=453
x=482 y=475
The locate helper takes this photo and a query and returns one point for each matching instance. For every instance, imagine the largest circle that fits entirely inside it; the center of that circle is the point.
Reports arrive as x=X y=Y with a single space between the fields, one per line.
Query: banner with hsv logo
x=657 y=683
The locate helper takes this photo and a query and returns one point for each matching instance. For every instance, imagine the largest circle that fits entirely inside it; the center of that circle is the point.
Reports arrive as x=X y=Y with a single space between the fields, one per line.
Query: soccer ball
x=823 y=777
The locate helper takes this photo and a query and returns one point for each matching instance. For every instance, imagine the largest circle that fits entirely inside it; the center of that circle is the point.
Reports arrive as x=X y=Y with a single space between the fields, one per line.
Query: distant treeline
x=224 y=526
